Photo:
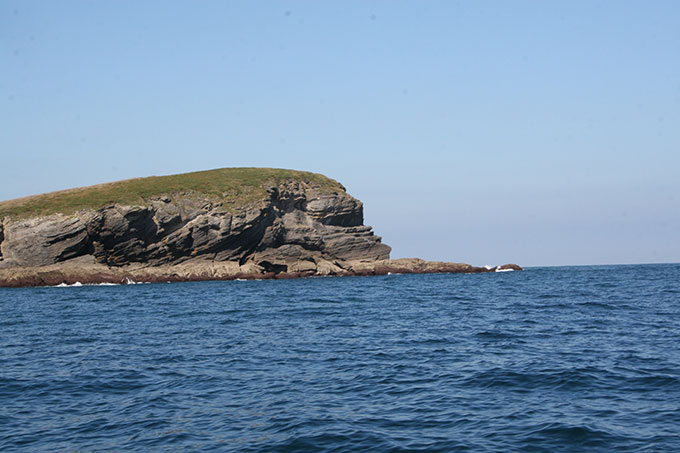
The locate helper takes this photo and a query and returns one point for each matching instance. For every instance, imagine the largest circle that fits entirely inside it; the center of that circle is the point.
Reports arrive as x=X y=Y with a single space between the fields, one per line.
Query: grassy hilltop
x=235 y=187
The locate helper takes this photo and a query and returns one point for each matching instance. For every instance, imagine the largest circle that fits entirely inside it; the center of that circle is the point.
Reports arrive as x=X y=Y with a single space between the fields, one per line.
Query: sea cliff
x=214 y=225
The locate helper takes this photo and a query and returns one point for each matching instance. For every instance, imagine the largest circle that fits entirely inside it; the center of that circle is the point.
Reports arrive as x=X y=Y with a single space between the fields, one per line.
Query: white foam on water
x=489 y=267
x=129 y=281
x=65 y=285
x=504 y=270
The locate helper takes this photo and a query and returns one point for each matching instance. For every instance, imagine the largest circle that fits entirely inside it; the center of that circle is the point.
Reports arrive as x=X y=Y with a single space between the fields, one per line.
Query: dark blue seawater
x=549 y=359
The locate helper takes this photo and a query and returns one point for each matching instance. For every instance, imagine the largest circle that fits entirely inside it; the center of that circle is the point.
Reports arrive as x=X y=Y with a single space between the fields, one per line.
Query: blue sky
x=542 y=133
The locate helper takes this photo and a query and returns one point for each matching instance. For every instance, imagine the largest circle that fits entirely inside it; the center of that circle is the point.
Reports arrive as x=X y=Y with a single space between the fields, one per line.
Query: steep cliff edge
x=219 y=224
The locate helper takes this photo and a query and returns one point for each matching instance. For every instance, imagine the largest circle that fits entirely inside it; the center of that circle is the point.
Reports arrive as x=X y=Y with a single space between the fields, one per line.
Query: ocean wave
x=78 y=284
x=66 y=285
x=425 y=363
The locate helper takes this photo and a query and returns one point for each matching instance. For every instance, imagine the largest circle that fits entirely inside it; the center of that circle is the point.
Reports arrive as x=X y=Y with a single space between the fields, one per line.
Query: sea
x=549 y=359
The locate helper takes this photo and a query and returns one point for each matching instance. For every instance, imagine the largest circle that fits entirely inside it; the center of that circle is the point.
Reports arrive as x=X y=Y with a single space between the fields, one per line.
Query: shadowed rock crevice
x=271 y=267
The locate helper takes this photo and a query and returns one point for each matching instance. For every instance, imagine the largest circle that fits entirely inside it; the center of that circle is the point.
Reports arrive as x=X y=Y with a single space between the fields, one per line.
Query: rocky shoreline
x=286 y=224
x=92 y=273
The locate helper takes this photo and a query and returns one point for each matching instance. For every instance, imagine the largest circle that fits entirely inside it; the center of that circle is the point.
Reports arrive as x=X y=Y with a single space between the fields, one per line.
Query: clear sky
x=541 y=133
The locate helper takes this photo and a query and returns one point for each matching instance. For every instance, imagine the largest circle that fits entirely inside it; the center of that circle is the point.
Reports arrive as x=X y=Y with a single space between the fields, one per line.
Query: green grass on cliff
x=235 y=187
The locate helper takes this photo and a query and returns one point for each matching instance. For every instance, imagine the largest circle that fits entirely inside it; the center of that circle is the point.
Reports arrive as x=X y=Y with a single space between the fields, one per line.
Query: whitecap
x=66 y=285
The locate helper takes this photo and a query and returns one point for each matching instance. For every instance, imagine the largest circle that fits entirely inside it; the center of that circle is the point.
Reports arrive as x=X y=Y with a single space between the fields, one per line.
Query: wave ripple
x=549 y=359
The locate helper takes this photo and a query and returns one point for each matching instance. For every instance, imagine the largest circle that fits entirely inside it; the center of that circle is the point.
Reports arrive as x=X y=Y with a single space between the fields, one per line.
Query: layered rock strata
x=75 y=272
x=296 y=230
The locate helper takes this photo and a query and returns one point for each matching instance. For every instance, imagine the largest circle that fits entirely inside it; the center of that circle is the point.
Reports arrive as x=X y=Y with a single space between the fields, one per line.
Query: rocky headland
x=241 y=223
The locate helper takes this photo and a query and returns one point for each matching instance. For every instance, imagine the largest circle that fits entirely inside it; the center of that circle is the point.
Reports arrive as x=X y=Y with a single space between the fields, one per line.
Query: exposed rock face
x=37 y=242
x=84 y=272
x=298 y=229
x=295 y=227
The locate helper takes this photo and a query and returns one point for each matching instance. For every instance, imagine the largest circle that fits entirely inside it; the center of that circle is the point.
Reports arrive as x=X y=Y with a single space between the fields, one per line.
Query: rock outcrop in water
x=299 y=226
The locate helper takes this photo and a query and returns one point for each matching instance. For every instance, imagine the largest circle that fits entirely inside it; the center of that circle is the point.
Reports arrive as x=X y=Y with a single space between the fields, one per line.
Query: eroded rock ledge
x=84 y=273
x=298 y=229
